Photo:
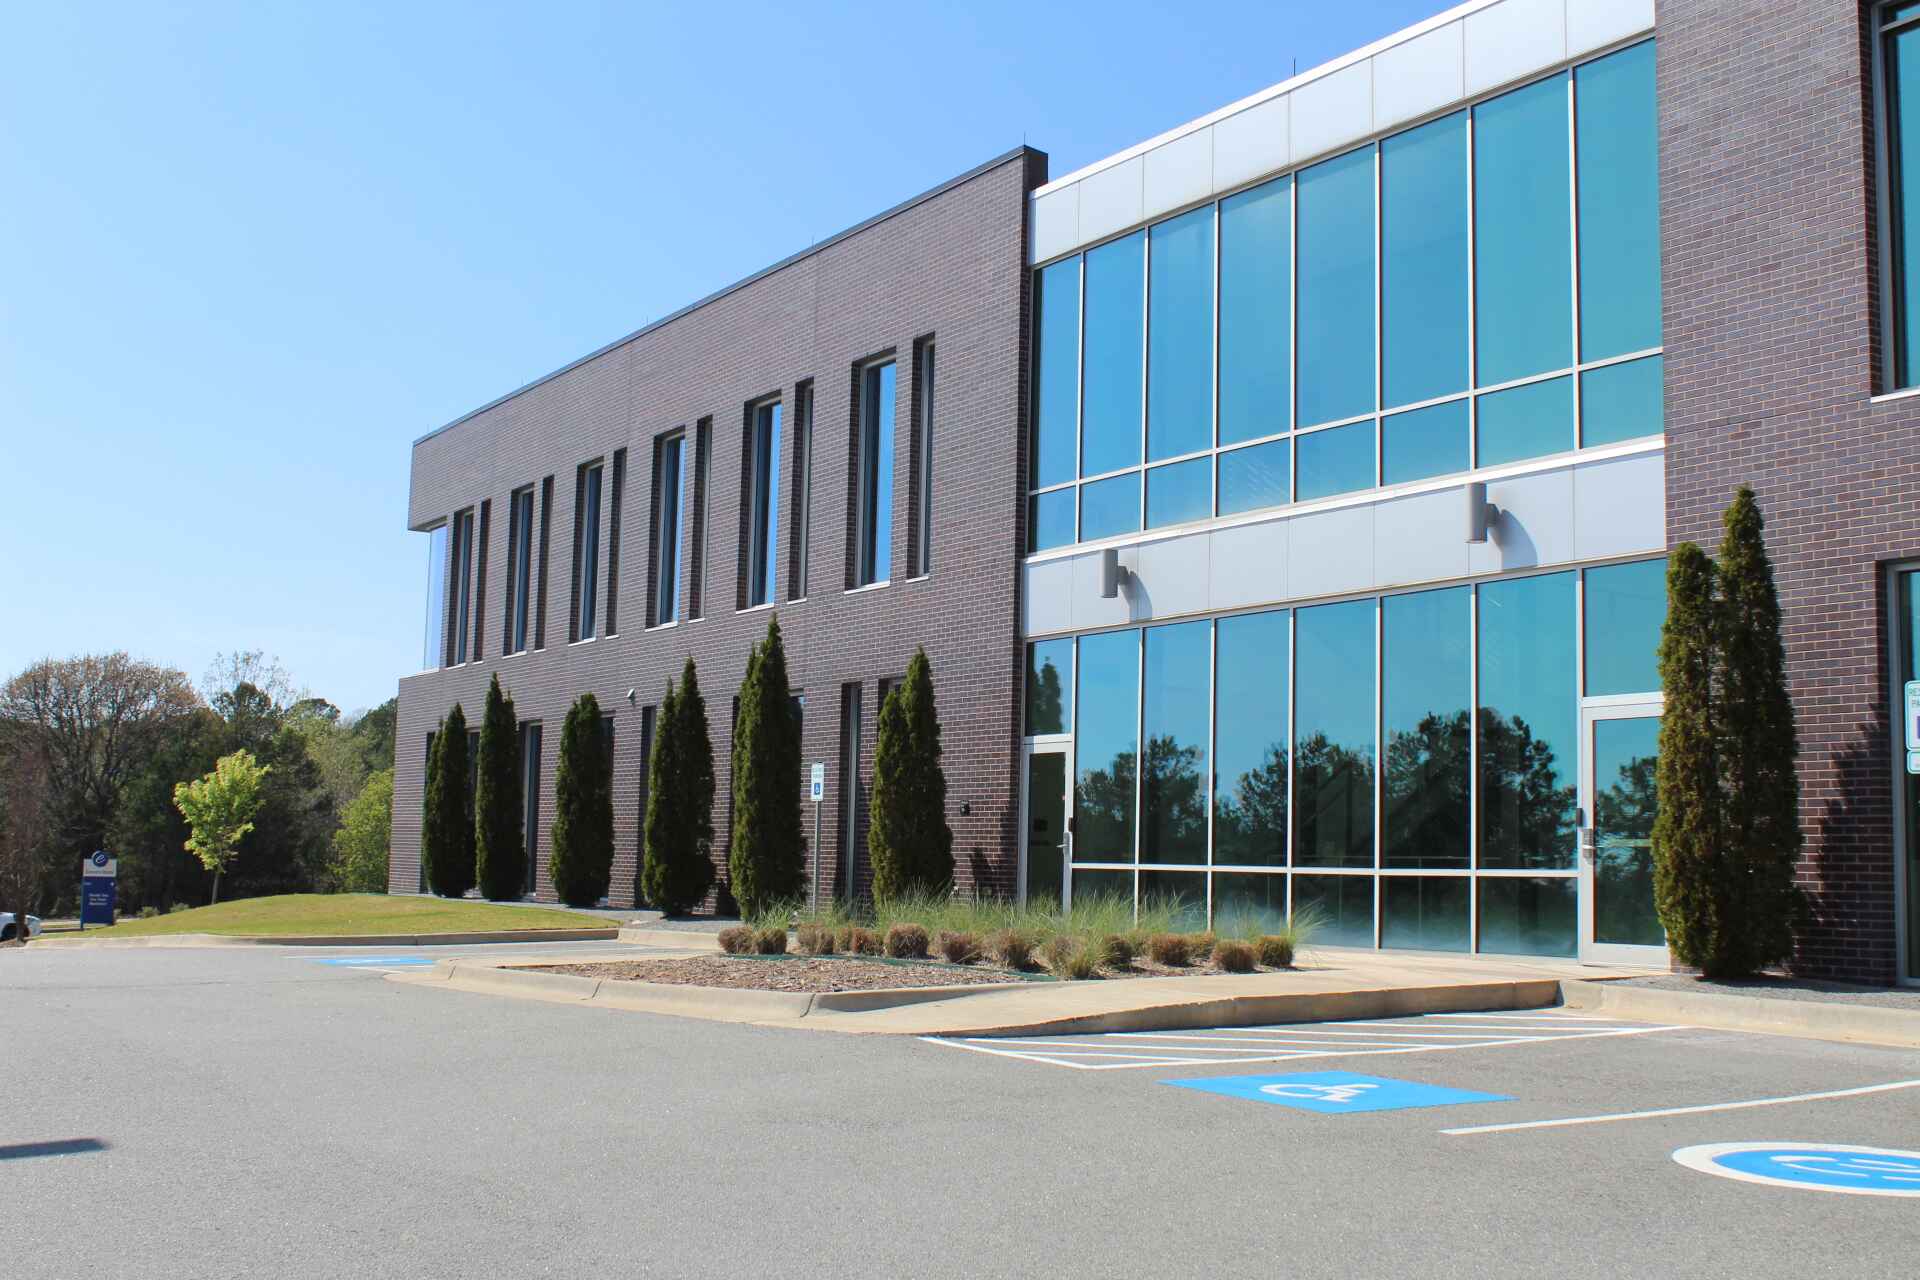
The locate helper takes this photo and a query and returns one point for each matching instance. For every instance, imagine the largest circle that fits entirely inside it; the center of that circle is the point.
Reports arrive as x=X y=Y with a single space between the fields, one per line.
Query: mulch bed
x=794 y=973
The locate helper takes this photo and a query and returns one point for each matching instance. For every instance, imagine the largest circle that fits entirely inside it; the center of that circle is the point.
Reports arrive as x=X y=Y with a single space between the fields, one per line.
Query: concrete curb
x=1807 y=1019
x=322 y=940
x=678 y=939
x=1174 y=1009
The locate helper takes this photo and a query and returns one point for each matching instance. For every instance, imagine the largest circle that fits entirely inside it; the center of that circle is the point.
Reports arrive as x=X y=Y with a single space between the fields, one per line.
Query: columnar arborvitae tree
x=500 y=844
x=908 y=840
x=581 y=863
x=768 y=856
x=1687 y=833
x=1728 y=831
x=677 y=868
x=1759 y=750
x=446 y=832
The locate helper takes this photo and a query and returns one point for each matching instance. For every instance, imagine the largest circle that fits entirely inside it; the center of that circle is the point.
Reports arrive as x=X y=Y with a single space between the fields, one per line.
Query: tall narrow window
x=460 y=567
x=519 y=570
x=923 y=461
x=530 y=797
x=434 y=648
x=849 y=787
x=1900 y=212
x=481 y=539
x=546 y=528
x=668 y=493
x=873 y=471
x=613 y=541
x=696 y=556
x=802 y=489
x=586 y=550
x=761 y=505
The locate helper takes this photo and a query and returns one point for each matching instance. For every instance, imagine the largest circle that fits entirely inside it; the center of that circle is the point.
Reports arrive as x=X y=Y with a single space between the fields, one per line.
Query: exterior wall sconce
x=1481 y=514
x=1112 y=576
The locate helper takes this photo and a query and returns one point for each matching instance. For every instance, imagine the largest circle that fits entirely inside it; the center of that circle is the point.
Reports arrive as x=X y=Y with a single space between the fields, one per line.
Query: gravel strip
x=800 y=973
x=1784 y=989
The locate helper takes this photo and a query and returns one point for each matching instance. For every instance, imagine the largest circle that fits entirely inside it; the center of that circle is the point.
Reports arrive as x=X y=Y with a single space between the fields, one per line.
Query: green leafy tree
x=677 y=869
x=768 y=856
x=219 y=810
x=360 y=845
x=446 y=832
x=908 y=840
x=1689 y=831
x=581 y=863
x=499 y=843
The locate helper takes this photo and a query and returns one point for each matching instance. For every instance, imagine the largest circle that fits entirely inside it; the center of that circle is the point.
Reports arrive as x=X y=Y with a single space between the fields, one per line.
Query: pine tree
x=677 y=869
x=908 y=839
x=767 y=859
x=1688 y=831
x=1759 y=749
x=581 y=864
x=500 y=847
x=446 y=832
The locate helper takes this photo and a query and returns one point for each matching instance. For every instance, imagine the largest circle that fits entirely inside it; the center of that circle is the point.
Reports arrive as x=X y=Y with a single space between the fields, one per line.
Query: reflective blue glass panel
x=1902 y=65
x=1333 y=735
x=1621 y=401
x=1183 y=892
x=1180 y=336
x=1338 y=460
x=1116 y=316
x=1525 y=422
x=1106 y=745
x=1049 y=686
x=1336 y=229
x=1256 y=312
x=1257 y=477
x=1056 y=375
x=1183 y=491
x=1618 y=139
x=1529 y=722
x=1426 y=676
x=1110 y=506
x=1523 y=233
x=1423 y=264
x=1526 y=917
x=1250 y=678
x=1424 y=913
x=1341 y=907
x=1173 y=790
x=1050 y=520
x=1426 y=442
x=1626 y=606
x=1249 y=903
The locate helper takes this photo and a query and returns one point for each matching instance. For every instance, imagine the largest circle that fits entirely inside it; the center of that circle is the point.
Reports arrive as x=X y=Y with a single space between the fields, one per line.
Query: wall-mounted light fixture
x=1481 y=514
x=1112 y=575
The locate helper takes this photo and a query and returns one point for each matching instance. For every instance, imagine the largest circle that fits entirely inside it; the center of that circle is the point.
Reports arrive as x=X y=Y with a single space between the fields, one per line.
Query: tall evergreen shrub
x=500 y=845
x=908 y=839
x=768 y=858
x=677 y=868
x=581 y=863
x=446 y=830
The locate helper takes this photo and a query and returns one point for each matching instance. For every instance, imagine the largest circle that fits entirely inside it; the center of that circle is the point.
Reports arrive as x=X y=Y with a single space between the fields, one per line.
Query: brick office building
x=1215 y=517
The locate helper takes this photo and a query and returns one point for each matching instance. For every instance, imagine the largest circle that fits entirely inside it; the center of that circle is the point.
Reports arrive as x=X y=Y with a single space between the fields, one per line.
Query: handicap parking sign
x=1810 y=1166
x=1335 y=1092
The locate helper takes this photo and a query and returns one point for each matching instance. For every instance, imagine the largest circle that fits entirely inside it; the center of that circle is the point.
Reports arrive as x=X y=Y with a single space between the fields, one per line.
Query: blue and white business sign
x=1810 y=1166
x=99 y=872
x=1335 y=1093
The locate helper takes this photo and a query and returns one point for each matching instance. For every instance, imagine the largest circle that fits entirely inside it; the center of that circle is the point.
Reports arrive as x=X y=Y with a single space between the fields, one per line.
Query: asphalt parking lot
x=263 y=1112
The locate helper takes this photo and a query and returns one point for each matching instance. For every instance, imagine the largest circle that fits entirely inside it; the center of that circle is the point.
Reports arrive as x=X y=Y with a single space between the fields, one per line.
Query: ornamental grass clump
x=857 y=940
x=906 y=942
x=1234 y=956
x=1011 y=948
x=1071 y=957
x=1171 y=949
x=736 y=940
x=1275 y=950
x=957 y=948
x=814 y=940
x=1115 y=951
x=771 y=941
x=1200 y=946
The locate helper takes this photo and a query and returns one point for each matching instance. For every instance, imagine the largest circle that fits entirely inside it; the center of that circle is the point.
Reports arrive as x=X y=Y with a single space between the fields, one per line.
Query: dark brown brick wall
x=1771 y=338
x=951 y=267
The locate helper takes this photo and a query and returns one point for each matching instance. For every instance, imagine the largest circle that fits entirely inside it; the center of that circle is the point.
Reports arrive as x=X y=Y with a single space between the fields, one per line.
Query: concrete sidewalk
x=1332 y=983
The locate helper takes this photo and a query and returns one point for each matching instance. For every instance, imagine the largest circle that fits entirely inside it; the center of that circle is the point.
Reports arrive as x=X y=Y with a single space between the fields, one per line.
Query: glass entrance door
x=1620 y=747
x=1044 y=845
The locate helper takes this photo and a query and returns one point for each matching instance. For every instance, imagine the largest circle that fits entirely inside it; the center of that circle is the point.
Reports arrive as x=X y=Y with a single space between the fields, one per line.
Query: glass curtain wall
x=1466 y=295
x=1402 y=768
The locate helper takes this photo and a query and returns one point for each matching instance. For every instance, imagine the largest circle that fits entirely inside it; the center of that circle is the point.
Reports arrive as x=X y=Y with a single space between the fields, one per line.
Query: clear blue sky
x=249 y=252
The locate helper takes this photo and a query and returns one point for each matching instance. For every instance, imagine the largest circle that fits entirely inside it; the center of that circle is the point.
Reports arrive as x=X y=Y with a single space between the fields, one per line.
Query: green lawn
x=346 y=914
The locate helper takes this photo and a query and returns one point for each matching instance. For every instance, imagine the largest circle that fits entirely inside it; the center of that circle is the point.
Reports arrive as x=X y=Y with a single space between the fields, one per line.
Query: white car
x=9 y=930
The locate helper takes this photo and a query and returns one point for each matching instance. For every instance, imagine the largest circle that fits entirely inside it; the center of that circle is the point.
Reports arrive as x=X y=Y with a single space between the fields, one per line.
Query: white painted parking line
x=1119 y=1050
x=1685 y=1111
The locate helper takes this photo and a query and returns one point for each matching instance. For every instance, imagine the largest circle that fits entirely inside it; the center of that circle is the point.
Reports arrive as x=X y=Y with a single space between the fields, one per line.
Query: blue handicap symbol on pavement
x=1811 y=1166
x=372 y=962
x=1335 y=1092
